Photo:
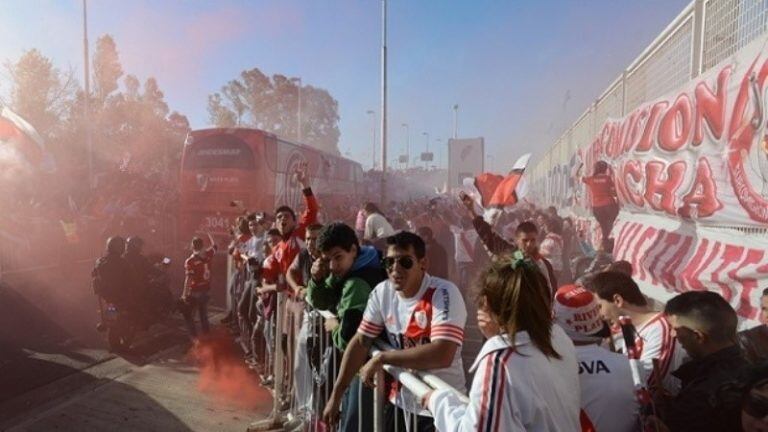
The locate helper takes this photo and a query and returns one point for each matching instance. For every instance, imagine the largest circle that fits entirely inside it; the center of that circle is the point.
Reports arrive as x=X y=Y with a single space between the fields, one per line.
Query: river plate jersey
x=436 y=312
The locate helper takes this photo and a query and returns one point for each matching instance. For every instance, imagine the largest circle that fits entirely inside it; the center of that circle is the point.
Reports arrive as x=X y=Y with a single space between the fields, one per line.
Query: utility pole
x=455 y=121
x=87 y=104
x=372 y=113
x=407 y=145
x=383 y=103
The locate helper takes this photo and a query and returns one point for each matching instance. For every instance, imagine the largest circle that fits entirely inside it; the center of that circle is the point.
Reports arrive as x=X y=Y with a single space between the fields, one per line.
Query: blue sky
x=508 y=64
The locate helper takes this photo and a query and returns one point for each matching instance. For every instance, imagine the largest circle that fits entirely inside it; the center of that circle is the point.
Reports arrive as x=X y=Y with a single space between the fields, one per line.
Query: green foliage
x=129 y=122
x=271 y=104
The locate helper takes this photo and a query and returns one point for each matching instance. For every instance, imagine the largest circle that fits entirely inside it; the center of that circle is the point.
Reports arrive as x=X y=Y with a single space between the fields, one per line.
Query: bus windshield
x=219 y=151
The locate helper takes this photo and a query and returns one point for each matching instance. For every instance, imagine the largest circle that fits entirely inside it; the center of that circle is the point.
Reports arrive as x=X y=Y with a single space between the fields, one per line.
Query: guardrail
x=325 y=369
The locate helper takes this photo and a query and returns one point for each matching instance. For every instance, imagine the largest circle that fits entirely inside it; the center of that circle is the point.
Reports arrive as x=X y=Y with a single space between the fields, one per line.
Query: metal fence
x=705 y=33
x=322 y=359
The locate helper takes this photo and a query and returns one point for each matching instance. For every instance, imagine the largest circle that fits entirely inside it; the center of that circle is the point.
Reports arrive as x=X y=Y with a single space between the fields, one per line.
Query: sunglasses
x=405 y=262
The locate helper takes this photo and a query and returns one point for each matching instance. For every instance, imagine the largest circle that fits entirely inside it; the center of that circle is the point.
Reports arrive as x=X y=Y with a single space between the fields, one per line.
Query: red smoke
x=224 y=375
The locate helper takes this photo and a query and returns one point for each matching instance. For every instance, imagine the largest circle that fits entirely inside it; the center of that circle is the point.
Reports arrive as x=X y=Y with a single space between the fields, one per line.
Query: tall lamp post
x=426 y=134
x=87 y=104
x=383 y=199
x=455 y=121
x=372 y=113
x=407 y=145
x=297 y=81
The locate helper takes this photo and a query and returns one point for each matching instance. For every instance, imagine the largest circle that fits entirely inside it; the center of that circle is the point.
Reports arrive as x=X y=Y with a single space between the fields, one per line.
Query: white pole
x=455 y=121
x=407 y=145
x=87 y=104
x=383 y=102
x=372 y=113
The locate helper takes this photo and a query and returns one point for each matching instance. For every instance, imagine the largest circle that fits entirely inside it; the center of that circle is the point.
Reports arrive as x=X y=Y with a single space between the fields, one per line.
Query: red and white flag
x=495 y=191
x=18 y=137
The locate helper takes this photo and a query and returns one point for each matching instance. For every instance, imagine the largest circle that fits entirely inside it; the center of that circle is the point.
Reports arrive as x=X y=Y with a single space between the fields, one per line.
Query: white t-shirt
x=464 y=244
x=376 y=227
x=655 y=340
x=516 y=388
x=254 y=247
x=436 y=312
x=607 y=391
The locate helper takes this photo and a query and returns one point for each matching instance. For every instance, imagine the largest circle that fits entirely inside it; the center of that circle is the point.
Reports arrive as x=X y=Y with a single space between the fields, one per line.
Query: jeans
x=350 y=408
x=397 y=419
x=200 y=306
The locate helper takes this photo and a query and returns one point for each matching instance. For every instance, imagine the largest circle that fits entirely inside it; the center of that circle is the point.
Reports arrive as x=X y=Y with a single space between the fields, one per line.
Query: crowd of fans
x=52 y=221
x=571 y=342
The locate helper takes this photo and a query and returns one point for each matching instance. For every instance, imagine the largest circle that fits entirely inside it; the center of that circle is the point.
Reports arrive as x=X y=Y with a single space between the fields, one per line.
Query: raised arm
x=495 y=244
x=310 y=214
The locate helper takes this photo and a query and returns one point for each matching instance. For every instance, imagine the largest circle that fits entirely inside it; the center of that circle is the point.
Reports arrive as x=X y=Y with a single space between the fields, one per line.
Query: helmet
x=115 y=245
x=134 y=244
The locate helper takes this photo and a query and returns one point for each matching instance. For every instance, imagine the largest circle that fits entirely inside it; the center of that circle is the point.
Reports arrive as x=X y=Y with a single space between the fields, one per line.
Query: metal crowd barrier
x=283 y=361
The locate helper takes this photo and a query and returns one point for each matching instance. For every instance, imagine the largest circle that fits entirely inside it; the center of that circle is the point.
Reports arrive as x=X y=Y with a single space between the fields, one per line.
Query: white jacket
x=516 y=389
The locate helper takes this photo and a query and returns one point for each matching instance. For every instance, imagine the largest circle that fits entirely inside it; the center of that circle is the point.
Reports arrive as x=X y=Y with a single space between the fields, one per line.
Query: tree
x=272 y=104
x=218 y=113
x=106 y=67
x=40 y=92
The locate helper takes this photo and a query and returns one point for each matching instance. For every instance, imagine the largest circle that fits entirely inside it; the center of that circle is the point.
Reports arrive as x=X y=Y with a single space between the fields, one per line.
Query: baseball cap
x=578 y=313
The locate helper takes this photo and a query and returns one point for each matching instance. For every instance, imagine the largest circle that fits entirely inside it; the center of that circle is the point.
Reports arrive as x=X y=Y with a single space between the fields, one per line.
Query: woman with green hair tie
x=526 y=375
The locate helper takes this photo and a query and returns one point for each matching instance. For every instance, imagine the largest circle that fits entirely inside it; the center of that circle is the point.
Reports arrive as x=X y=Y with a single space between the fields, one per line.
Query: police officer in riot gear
x=112 y=274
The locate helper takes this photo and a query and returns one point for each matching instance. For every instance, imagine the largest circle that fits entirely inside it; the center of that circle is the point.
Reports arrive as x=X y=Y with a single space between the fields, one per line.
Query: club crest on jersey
x=421 y=319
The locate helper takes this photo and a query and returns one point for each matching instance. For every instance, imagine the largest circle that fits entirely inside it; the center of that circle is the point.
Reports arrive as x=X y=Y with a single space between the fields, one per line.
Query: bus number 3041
x=216 y=223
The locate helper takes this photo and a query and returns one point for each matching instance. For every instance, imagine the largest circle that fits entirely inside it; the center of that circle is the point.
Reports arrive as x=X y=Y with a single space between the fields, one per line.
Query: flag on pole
x=21 y=138
x=506 y=193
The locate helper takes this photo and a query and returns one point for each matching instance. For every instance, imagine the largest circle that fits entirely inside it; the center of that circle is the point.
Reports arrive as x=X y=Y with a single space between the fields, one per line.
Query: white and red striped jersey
x=437 y=311
x=656 y=341
x=515 y=388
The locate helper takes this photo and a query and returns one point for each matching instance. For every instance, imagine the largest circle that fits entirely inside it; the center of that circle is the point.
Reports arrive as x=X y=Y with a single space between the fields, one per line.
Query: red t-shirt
x=289 y=247
x=270 y=272
x=198 y=269
x=602 y=190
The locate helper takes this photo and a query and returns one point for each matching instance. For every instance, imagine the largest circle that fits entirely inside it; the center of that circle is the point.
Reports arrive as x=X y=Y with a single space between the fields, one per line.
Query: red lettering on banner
x=675 y=127
x=664 y=187
x=629 y=130
x=632 y=170
x=745 y=307
x=710 y=259
x=646 y=140
x=669 y=272
x=710 y=107
x=647 y=234
x=625 y=242
x=703 y=194
x=638 y=125
x=693 y=266
x=661 y=246
x=731 y=255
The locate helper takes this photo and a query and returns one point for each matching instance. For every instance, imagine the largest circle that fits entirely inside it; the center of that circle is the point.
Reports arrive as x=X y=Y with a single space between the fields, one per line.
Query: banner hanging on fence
x=679 y=258
x=700 y=153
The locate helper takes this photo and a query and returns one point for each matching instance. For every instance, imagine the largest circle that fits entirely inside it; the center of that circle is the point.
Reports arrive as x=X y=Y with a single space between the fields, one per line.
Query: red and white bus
x=222 y=165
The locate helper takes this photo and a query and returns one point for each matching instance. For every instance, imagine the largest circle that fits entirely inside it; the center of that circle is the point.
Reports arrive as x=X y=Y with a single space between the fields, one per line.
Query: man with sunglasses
x=421 y=316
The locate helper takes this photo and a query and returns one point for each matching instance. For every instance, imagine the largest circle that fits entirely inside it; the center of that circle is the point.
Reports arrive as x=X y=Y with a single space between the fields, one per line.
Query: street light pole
x=407 y=145
x=372 y=113
x=383 y=200
x=87 y=104
x=455 y=121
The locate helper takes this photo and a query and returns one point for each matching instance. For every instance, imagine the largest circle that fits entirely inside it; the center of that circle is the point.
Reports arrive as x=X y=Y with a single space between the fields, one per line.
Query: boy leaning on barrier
x=341 y=283
x=420 y=315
